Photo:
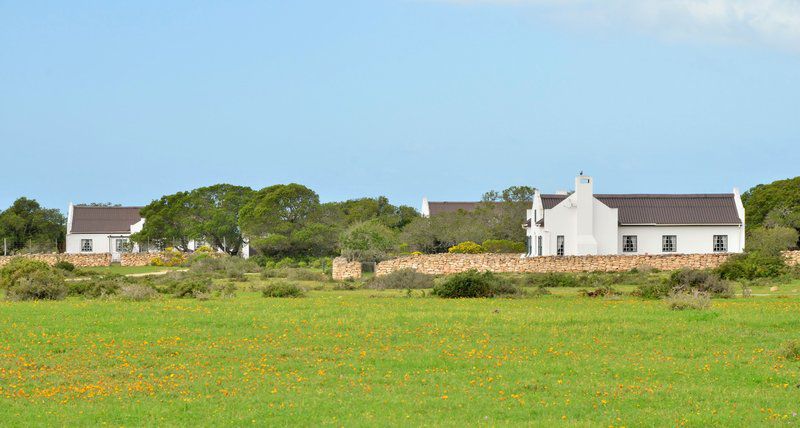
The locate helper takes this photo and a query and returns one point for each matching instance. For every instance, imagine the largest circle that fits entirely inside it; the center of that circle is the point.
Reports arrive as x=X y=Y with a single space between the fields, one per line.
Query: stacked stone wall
x=344 y=269
x=79 y=260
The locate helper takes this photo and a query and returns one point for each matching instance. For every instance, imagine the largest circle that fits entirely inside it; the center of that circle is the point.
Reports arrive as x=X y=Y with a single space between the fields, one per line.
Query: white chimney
x=584 y=198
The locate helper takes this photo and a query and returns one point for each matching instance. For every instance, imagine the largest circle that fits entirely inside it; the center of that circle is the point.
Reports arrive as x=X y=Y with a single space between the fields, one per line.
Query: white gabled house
x=98 y=229
x=101 y=229
x=584 y=223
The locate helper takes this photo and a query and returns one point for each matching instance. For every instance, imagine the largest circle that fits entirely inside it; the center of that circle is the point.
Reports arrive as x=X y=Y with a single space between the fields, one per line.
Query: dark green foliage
x=771 y=241
x=18 y=268
x=503 y=246
x=553 y=280
x=29 y=228
x=97 y=287
x=231 y=267
x=282 y=289
x=765 y=198
x=401 y=279
x=472 y=284
x=654 y=290
x=38 y=285
x=752 y=265
x=687 y=280
x=368 y=241
x=65 y=266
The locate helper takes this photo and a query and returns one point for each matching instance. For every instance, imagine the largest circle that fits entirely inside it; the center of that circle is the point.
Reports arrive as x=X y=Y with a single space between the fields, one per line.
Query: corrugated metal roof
x=451 y=207
x=87 y=219
x=666 y=209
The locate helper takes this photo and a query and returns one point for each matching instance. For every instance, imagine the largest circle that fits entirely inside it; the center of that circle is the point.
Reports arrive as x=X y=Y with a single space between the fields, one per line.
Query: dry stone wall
x=136 y=259
x=79 y=260
x=444 y=264
x=344 y=269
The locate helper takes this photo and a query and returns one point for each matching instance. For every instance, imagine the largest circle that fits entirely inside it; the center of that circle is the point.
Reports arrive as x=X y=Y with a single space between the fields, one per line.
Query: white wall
x=100 y=242
x=691 y=239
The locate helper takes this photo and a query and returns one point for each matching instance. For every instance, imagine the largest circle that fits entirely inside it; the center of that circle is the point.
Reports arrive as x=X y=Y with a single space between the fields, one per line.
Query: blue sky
x=125 y=101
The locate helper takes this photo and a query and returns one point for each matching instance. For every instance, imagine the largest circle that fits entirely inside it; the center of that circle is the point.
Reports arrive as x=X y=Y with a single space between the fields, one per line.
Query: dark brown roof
x=451 y=207
x=104 y=219
x=666 y=209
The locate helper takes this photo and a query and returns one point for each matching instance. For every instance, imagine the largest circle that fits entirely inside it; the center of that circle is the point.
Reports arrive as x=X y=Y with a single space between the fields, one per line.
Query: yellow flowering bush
x=467 y=247
x=169 y=257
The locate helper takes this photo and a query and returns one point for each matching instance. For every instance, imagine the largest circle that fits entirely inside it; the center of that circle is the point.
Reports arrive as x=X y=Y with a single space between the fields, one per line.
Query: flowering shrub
x=467 y=247
x=204 y=249
x=169 y=257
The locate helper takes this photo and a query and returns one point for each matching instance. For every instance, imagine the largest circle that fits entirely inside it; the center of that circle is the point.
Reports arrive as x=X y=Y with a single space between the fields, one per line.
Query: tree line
x=288 y=220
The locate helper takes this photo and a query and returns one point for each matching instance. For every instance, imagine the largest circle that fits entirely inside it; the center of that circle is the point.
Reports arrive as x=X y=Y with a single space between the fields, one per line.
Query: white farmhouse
x=584 y=223
x=92 y=229
x=101 y=229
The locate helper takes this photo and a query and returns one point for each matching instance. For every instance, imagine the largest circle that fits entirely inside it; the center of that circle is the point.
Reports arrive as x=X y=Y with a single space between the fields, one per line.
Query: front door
x=119 y=245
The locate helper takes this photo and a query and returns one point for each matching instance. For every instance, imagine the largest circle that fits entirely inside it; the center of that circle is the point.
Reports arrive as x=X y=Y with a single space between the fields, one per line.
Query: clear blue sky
x=125 y=101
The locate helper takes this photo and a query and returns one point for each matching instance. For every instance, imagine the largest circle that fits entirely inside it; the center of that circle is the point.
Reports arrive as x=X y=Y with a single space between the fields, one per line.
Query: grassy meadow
x=366 y=357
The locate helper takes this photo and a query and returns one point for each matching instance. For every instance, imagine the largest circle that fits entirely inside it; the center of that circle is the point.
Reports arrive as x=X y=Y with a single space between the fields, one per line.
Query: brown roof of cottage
x=86 y=219
x=718 y=208
x=451 y=207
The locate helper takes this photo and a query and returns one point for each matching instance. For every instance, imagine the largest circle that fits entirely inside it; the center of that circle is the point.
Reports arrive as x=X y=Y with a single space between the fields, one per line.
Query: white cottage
x=92 y=229
x=584 y=223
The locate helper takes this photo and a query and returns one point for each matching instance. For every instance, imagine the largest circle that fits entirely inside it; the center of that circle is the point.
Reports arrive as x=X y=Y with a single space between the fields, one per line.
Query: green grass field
x=367 y=358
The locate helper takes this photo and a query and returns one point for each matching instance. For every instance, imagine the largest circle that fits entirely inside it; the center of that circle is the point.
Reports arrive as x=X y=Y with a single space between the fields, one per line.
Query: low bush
x=18 y=268
x=473 y=284
x=136 y=292
x=282 y=289
x=99 y=287
x=65 y=266
x=182 y=286
x=604 y=291
x=752 y=265
x=655 y=290
x=679 y=301
x=467 y=247
x=687 y=280
x=38 y=285
x=503 y=246
x=230 y=267
x=552 y=280
x=401 y=279
x=225 y=290
x=170 y=257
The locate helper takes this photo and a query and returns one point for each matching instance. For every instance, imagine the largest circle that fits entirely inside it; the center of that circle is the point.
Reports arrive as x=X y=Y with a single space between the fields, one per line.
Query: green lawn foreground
x=367 y=358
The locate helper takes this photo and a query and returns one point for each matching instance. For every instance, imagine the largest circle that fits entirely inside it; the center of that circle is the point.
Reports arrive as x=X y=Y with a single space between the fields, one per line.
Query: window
x=629 y=244
x=535 y=217
x=560 y=245
x=720 y=243
x=121 y=245
x=86 y=245
x=528 y=247
x=539 y=245
x=669 y=243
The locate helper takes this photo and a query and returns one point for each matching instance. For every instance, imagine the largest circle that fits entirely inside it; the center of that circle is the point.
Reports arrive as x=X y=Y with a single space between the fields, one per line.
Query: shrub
x=771 y=240
x=170 y=257
x=790 y=350
x=752 y=265
x=282 y=289
x=401 y=279
x=95 y=288
x=604 y=291
x=368 y=241
x=686 y=280
x=679 y=301
x=467 y=247
x=204 y=249
x=191 y=287
x=503 y=246
x=474 y=284
x=65 y=266
x=301 y=274
x=136 y=292
x=653 y=290
x=18 y=268
x=226 y=290
x=223 y=267
x=552 y=280
x=38 y=285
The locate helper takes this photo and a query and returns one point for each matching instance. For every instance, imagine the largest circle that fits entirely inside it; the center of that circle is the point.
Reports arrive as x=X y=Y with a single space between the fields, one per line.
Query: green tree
x=354 y=211
x=274 y=218
x=771 y=241
x=368 y=241
x=167 y=222
x=782 y=196
x=25 y=225
x=214 y=215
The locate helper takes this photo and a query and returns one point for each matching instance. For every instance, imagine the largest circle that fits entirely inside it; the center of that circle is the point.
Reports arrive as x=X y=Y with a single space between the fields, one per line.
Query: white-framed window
x=539 y=245
x=669 y=243
x=560 y=245
x=720 y=243
x=86 y=245
x=629 y=244
x=121 y=245
x=528 y=248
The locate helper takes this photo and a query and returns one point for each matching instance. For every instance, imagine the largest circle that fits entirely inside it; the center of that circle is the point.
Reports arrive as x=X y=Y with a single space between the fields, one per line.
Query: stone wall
x=136 y=259
x=79 y=260
x=343 y=269
x=444 y=264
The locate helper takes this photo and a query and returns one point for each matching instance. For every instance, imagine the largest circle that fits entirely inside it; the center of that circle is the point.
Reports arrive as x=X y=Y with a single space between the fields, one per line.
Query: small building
x=431 y=208
x=584 y=223
x=101 y=229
